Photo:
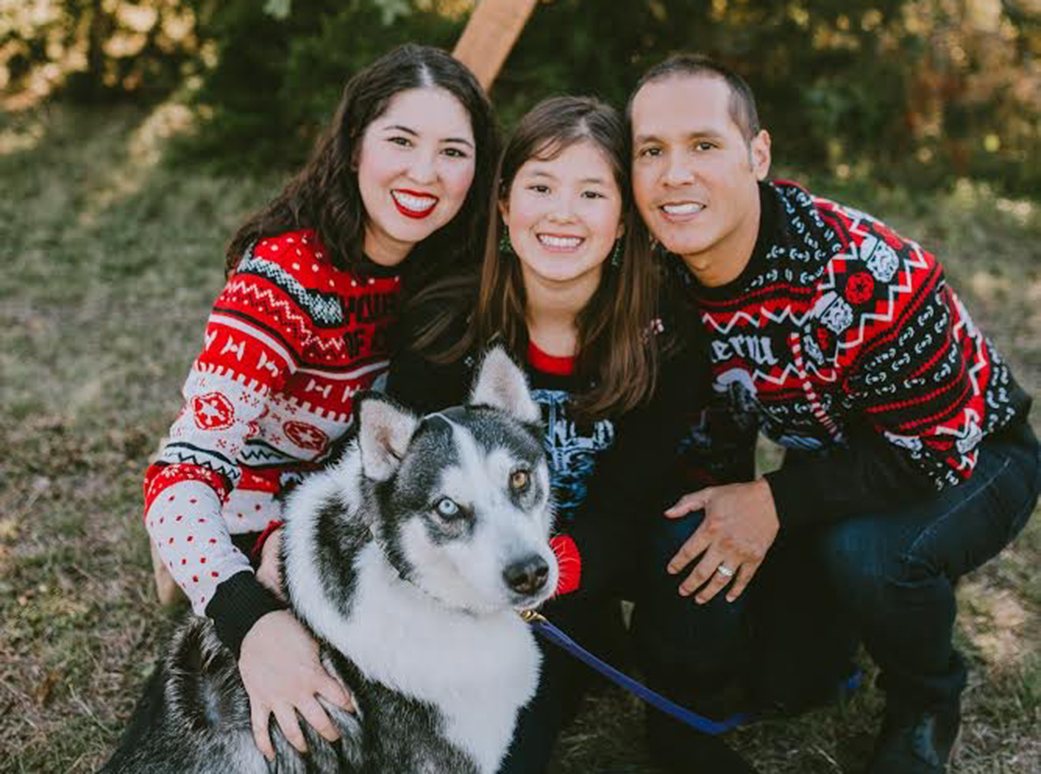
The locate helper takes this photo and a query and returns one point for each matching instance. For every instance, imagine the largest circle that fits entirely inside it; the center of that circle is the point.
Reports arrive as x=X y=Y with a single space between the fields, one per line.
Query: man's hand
x=283 y=675
x=739 y=527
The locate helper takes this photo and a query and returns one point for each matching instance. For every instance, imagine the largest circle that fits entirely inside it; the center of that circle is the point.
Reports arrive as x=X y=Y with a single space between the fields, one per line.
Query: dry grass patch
x=111 y=261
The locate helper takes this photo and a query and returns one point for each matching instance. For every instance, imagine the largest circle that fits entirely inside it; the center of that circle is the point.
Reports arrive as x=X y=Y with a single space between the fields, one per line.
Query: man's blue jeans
x=895 y=573
x=885 y=578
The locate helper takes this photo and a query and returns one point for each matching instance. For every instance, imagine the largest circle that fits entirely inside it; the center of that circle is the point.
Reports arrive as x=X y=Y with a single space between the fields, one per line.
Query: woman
x=569 y=285
x=393 y=195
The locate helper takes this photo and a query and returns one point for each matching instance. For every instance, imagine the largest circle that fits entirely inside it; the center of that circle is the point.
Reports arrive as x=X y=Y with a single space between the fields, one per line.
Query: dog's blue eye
x=446 y=508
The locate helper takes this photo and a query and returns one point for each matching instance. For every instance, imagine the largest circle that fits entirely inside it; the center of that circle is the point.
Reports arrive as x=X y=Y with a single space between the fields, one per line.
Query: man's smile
x=679 y=211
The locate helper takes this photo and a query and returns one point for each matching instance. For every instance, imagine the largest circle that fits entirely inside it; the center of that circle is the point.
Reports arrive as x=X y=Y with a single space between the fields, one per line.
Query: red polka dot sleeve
x=253 y=340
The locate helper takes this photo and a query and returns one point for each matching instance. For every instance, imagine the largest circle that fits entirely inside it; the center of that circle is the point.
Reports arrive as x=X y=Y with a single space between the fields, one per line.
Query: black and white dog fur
x=407 y=559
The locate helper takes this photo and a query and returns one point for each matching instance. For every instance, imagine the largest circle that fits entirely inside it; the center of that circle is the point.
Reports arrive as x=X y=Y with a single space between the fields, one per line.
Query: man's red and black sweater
x=290 y=340
x=843 y=342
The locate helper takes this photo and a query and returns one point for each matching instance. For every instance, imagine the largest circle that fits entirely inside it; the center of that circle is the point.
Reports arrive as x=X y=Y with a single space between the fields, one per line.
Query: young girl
x=394 y=194
x=569 y=285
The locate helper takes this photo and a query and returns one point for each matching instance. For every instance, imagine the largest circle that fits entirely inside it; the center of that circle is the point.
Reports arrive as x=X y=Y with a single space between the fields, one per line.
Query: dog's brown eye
x=519 y=480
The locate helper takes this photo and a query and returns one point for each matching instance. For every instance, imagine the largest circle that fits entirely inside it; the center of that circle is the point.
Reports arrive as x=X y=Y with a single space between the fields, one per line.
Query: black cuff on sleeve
x=785 y=486
x=869 y=476
x=238 y=603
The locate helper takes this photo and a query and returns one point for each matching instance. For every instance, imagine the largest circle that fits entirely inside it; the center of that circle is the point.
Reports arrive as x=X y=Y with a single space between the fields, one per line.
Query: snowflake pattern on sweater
x=289 y=341
x=839 y=322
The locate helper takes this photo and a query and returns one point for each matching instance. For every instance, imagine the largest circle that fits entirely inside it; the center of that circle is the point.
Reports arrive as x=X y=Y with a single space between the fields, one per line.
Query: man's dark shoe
x=915 y=741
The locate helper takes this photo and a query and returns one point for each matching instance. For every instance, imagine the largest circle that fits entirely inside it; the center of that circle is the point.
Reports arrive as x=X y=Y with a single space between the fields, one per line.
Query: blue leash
x=698 y=722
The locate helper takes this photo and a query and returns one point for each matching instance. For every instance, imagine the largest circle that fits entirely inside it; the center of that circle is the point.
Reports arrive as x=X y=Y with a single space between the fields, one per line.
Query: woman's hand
x=283 y=675
x=269 y=572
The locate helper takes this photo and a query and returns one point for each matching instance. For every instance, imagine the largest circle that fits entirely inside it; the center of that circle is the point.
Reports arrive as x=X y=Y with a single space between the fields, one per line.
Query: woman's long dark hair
x=617 y=352
x=324 y=195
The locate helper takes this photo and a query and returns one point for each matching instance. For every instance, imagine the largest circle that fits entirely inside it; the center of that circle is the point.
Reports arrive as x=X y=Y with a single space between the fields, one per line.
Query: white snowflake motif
x=810 y=346
x=837 y=316
x=881 y=260
x=970 y=436
x=910 y=442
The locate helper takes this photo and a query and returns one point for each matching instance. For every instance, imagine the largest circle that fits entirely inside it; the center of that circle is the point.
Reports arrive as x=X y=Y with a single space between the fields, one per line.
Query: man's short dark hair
x=742 y=100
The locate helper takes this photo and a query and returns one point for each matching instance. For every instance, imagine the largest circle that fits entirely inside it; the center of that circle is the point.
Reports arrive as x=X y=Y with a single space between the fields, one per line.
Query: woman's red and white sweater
x=290 y=340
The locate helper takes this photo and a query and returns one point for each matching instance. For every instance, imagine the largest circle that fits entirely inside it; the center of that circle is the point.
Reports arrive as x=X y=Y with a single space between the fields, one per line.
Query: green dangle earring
x=616 y=253
x=505 y=247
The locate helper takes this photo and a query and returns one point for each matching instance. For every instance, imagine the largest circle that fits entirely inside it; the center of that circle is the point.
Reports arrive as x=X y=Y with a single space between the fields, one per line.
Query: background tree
x=916 y=91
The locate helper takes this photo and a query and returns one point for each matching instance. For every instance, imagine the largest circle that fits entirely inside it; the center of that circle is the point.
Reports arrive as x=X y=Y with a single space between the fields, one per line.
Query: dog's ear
x=501 y=384
x=384 y=430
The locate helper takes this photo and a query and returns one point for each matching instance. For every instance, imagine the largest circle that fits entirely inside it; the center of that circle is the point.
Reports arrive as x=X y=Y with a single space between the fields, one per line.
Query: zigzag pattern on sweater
x=161 y=476
x=810 y=338
x=325 y=309
x=246 y=293
x=966 y=328
x=258 y=453
x=289 y=341
x=181 y=453
x=285 y=314
x=864 y=251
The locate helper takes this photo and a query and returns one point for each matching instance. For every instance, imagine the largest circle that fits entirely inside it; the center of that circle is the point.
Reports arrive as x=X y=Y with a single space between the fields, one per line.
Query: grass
x=111 y=261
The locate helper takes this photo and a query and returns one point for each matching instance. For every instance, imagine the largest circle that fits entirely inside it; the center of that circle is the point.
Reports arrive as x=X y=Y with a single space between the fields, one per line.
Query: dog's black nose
x=528 y=575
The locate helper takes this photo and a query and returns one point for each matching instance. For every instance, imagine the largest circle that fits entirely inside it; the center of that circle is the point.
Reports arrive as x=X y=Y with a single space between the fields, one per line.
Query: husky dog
x=407 y=559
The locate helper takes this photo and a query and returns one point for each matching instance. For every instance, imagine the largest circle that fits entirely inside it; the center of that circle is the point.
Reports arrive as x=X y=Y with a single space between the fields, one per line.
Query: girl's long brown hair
x=324 y=195
x=617 y=351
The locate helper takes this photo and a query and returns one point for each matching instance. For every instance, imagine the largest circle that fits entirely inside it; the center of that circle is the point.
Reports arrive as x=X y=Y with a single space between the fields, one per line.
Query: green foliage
x=96 y=50
x=910 y=91
x=277 y=80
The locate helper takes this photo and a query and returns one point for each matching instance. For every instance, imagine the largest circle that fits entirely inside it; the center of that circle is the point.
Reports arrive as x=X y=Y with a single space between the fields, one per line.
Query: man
x=910 y=461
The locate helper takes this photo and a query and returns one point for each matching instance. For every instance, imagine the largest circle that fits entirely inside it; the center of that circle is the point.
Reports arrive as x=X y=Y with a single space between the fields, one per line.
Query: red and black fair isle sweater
x=843 y=342
x=289 y=341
